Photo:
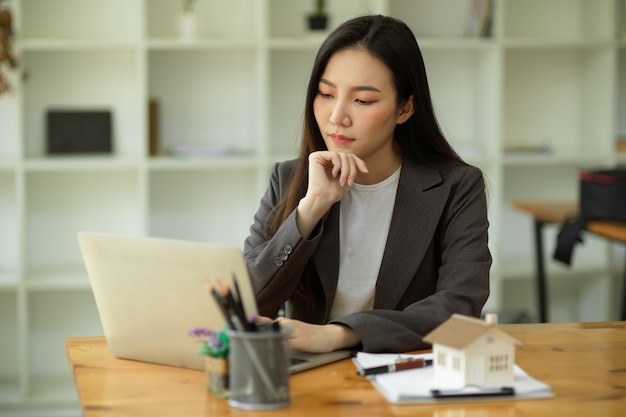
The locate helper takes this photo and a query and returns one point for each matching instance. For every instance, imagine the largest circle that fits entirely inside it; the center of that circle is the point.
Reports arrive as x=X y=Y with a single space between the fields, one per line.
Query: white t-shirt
x=364 y=220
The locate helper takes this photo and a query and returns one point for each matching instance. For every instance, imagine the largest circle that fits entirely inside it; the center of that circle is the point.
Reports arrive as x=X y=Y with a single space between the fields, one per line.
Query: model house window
x=499 y=363
x=456 y=363
x=441 y=359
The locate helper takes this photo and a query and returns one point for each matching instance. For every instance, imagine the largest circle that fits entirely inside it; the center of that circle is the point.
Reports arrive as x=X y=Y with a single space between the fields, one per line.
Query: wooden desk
x=584 y=363
x=544 y=212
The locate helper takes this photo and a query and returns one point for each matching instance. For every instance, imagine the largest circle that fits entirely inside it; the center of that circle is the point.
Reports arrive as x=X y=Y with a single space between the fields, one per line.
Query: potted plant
x=318 y=20
x=215 y=348
x=7 y=56
x=188 y=21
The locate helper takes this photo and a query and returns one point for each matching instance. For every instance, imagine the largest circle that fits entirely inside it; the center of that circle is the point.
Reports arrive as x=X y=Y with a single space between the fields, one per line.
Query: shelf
x=463 y=94
x=461 y=44
x=58 y=279
x=9 y=351
x=60 y=45
x=309 y=43
x=177 y=81
x=9 y=227
x=551 y=72
x=557 y=44
x=8 y=280
x=561 y=158
x=80 y=163
x=193 y=163
x=10 y=122
x=165 y=44
x=287 y=18
x=558 y=19
x=7 y=166
x=436 y=18
x=554 y=98
x=100 y=79
x=235 y=19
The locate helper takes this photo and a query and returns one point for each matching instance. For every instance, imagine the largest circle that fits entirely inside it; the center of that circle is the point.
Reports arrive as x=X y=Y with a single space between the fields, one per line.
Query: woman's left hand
x=318 y=338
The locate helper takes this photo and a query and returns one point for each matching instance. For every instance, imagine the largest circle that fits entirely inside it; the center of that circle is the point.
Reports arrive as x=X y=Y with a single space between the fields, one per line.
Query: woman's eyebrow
x=355 y=88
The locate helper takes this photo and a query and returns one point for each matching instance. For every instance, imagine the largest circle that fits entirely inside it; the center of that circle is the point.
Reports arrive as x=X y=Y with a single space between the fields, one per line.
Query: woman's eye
x=324 y=95
x=364 y=102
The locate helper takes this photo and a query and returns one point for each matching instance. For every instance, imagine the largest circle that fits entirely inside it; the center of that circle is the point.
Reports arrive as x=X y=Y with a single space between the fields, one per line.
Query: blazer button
x=288 y=249
x=278 y=261
x=283 y=255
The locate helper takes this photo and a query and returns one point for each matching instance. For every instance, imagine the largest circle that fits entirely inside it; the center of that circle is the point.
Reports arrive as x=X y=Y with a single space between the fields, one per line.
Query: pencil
x=238 y=302
x=237 y=315
x=221 y=303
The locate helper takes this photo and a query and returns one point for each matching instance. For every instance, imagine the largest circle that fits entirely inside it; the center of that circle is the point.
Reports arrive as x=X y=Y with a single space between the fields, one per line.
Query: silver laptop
x=150 y=292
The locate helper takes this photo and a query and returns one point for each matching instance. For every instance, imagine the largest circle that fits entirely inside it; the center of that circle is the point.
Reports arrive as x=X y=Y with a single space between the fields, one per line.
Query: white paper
x=415 y=385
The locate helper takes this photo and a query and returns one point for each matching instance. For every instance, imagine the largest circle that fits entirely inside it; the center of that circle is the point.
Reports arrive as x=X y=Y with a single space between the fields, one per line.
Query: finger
x=360 y=164
x=335 y=159
x=293 y=334
x=350 y=171
x=345 y=168
x=264 y=319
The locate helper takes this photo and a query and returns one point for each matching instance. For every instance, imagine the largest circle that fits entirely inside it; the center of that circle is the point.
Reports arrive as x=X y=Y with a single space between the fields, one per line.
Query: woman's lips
x=340 y=139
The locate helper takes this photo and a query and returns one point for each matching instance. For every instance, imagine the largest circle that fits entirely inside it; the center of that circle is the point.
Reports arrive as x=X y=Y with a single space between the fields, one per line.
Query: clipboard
x=419 y=385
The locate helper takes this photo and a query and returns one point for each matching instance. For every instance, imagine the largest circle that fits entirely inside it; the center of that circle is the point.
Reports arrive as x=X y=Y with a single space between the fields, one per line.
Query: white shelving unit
x=552 y=73
x=559 y=92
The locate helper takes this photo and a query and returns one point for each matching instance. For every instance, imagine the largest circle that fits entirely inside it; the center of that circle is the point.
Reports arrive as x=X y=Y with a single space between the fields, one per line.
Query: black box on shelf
x=78 y=132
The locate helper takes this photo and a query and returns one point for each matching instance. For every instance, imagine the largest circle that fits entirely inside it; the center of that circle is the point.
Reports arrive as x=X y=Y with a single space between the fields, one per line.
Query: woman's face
x=356 y=106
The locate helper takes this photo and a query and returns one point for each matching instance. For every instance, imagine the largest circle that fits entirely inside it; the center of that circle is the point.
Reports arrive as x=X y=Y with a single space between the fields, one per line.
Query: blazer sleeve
x=276 y=265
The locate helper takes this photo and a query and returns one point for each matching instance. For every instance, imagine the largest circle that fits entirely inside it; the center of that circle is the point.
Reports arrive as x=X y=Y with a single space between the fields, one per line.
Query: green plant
x=7 y=55
x=320 y=6
x=188 y=5
x=213 y=343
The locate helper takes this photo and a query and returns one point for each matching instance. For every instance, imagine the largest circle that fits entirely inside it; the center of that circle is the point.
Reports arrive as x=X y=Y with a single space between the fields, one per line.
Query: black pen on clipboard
x=399 y=365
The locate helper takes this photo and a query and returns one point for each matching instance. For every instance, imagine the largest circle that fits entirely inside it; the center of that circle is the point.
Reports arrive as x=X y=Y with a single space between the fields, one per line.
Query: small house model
x=471 y=351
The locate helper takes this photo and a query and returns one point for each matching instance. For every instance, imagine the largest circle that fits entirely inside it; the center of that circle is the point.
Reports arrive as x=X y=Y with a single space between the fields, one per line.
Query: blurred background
x=195 y=100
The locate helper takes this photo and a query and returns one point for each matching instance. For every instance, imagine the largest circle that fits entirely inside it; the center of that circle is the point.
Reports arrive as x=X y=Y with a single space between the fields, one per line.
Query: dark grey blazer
x=436 y=261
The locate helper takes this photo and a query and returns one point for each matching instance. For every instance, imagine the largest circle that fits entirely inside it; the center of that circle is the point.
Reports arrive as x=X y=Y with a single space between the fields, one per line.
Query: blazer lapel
x=419 y=202
x=418 y=206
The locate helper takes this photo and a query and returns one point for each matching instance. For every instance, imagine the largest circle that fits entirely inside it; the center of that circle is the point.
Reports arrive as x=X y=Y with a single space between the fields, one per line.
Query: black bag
x=602 y=196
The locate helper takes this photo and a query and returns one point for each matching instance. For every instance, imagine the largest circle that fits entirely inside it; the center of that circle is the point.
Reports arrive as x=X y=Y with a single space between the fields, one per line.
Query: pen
x=482 y=392
x=400 y=365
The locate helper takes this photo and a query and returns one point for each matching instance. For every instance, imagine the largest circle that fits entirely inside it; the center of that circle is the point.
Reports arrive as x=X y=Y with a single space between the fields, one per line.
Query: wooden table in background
x=544 y=212
x=584 y=363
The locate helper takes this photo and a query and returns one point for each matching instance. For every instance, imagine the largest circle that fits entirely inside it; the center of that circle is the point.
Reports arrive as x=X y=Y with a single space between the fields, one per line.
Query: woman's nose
x=340 y=116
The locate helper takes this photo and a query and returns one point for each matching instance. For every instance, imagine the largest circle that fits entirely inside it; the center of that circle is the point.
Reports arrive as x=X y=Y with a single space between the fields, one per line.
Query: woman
x=377 y=232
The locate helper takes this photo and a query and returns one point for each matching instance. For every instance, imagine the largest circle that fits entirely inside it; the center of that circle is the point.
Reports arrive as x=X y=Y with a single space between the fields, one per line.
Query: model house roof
x=459 y=331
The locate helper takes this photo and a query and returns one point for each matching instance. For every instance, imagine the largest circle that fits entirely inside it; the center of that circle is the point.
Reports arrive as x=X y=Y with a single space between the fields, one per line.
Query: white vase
x=188 y=26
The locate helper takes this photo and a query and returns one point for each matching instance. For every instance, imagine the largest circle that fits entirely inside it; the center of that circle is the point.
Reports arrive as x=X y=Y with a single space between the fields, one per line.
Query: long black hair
x=393 y=43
